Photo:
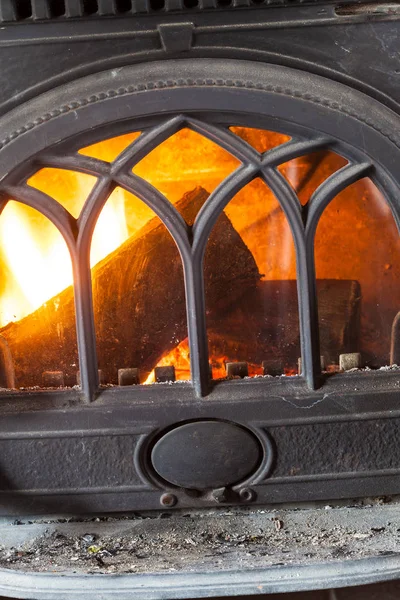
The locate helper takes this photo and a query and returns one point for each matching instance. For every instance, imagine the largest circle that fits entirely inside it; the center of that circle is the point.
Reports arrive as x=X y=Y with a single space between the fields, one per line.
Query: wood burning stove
x=248 y=156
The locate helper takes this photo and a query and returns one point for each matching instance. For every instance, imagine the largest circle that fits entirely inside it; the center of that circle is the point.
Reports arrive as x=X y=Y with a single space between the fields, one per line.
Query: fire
x=36 y=264
x=180 y=358
x=111 y=228
x=39 y=267
x=36 y=258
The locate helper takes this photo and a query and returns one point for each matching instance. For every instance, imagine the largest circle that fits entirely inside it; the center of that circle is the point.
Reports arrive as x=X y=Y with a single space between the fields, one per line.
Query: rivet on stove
x=247 y=495
x=168 y=500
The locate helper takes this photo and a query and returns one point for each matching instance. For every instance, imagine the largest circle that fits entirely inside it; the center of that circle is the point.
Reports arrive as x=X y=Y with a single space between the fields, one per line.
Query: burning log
x=260 y=335
x=139 y=302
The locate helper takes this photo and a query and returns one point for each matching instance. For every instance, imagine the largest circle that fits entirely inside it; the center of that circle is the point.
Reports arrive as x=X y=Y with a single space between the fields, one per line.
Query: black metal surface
x=305 y=138
x=346 y=111
x=358 y=50
x=25 y=11
x=165 y=586
x=211 y=454
x=238 y=103
x=334 y=443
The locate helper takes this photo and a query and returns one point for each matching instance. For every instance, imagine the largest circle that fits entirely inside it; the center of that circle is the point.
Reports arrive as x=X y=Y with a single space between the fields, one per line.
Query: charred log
x=270 y=314
x=139 y=302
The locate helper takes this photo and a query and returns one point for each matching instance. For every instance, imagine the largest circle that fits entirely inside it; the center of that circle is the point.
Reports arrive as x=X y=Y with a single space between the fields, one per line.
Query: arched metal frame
x=353 y=415
x=317 y=113
x=192 y=241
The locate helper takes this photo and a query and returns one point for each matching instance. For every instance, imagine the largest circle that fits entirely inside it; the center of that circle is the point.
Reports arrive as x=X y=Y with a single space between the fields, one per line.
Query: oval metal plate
x=206 y=455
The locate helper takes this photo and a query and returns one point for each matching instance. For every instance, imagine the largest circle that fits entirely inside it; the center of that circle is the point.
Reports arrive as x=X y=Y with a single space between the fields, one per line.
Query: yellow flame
x=37 y=258
x=111 y=230
x=39 y=270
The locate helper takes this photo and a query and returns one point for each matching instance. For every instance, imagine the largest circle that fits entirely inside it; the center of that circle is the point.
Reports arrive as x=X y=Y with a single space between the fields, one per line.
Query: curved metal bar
x=193 y=277
x=308 y=317
x=306 y=270
x=293 y=149
x=145 y=143
x=154 y=137
x=194 y=284
x=330 y=188
x=155 y=200
x=86 y=331
x=91 y=210
x=286 y=197
x=212 y=208
x=79 y=247
x=192 y=256
x=227 y=140
x=390 y=189
x=197 y=326
x=68 y=228
x=57 y=214
x=171 y=218
x=76 y=162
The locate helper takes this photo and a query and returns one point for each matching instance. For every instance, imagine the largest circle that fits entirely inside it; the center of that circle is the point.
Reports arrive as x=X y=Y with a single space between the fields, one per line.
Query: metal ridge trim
x=160 y=586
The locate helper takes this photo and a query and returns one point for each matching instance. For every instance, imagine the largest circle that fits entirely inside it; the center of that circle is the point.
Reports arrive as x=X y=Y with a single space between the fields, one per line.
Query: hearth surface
x=219 y=540
x=245 y=551
x=238 y=107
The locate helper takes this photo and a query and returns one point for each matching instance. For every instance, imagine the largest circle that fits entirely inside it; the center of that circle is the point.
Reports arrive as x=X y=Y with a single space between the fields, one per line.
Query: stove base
x=218 y=553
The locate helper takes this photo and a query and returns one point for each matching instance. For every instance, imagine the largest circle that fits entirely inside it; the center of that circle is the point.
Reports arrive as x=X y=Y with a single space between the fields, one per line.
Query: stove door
x=216 y=324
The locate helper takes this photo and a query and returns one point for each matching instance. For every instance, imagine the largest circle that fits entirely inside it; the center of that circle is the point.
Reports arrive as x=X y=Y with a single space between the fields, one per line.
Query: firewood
x=260 y=335
x=265 y=324
x=139 y=302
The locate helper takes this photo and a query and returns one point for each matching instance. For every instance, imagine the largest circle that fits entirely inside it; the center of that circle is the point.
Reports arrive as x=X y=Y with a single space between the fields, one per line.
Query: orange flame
x=180 y=358
x=37 y=260
x=38 y=270
x=36 y=265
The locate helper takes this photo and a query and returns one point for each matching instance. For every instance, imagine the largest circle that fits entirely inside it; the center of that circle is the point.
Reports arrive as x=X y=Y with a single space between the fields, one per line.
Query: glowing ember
x=180 y=358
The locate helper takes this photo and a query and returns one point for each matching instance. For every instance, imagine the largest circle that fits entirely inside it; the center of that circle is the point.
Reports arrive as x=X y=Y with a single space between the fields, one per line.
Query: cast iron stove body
x=325 y=74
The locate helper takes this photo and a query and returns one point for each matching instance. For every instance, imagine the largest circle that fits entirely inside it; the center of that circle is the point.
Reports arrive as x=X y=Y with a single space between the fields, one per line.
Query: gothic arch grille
x=327 y=437
x=192 y=241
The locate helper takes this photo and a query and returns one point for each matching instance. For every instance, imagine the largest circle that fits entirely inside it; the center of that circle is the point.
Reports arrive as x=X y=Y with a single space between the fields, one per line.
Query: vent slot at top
x=12 y=11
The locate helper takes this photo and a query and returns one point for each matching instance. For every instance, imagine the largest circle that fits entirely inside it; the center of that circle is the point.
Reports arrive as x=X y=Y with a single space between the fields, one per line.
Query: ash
x=214 y=540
